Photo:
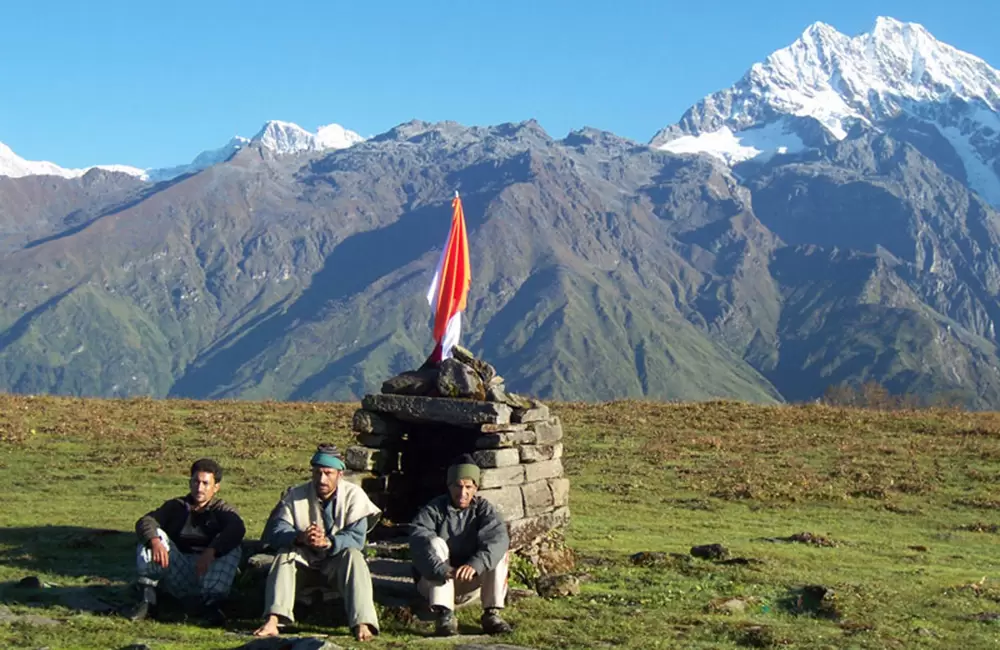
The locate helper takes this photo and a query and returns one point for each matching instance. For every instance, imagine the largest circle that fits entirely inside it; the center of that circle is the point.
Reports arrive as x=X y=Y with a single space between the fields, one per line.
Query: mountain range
x=831 y=218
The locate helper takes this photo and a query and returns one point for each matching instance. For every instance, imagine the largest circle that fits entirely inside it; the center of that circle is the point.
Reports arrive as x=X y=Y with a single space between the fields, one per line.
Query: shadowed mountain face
x=601 y=268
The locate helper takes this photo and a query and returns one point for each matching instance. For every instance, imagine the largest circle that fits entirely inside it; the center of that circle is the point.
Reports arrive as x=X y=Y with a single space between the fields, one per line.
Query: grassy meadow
x=901 y=508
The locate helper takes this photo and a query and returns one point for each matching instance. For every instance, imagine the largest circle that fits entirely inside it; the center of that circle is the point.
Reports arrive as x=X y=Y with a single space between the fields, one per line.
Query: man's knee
x=440 y=549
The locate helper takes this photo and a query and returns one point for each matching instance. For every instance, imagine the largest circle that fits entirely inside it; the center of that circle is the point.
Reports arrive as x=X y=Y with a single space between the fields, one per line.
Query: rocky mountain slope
x=602 y=267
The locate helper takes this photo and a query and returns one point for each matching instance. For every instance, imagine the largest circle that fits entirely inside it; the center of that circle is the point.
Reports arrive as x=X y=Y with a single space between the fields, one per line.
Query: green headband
x=463 y=470
x=321 y=459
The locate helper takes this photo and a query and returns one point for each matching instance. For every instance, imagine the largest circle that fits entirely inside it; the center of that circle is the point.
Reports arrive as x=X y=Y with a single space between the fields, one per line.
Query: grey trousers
x=347 y=572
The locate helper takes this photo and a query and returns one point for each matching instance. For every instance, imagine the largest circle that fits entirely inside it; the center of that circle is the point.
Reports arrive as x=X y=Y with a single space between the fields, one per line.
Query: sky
x=151 y=84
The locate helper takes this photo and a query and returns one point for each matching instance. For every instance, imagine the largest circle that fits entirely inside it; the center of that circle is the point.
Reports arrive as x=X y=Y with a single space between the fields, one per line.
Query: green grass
x=901 y=494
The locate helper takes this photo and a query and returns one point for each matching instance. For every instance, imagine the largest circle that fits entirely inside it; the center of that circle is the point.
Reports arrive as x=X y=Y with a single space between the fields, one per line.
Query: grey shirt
x=476 y=536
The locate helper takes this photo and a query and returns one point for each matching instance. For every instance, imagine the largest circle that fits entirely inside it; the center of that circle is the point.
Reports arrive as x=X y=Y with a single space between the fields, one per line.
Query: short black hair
x=207 y=465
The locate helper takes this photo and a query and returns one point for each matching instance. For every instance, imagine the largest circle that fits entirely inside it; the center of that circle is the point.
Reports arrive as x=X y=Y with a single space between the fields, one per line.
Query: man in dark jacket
x=459 y=543
x=190 y=546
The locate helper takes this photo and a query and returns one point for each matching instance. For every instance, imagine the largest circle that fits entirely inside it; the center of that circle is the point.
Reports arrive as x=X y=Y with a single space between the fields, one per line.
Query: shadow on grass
x=76 y=551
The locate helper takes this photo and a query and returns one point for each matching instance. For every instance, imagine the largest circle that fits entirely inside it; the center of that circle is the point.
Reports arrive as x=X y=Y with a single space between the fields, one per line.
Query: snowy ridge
x=282 y=138
x=895 y=69
x=14 y=166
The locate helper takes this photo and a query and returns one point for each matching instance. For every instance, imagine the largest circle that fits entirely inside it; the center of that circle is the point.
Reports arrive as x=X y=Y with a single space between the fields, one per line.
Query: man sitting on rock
x=319 y=529
x=190 y=546
x=459 y=543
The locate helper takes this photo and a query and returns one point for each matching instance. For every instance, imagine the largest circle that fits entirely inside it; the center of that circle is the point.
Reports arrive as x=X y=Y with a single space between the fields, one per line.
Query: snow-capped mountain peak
x=282 y=138
x=287 y=138
x=896 y=69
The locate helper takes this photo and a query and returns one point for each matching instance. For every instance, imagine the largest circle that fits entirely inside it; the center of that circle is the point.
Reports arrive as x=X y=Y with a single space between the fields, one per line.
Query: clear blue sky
x=153 y=83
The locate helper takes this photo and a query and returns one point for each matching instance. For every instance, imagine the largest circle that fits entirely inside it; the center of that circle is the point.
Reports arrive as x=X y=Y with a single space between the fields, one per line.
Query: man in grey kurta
x=319 y=529
x=459 y=543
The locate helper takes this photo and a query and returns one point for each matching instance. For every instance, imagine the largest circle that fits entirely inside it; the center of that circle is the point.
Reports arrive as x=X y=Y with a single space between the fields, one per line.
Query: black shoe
x=211 y=613
x=447 y=624
x=141 y=611
x=493 y=624
x=146 y=607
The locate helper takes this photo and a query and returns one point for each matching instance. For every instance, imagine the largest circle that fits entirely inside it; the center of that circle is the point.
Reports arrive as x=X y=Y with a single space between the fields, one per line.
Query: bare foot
x=363 y=632
x=269 y=628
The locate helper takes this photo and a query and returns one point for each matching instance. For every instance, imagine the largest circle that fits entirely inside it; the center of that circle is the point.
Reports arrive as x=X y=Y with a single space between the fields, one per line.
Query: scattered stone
x=923 y=631
x=413 y=382
x=986 y=617
x=815 y=600
x=728 y=605
x=447 y=411
x=980 y=527
x=757 y=636
x=559 y=585
x=648 y=558
x=804 y=538
x=30 y=582
x=710 y=552
x=514 y=594
x=455 y=379
x=549 y=554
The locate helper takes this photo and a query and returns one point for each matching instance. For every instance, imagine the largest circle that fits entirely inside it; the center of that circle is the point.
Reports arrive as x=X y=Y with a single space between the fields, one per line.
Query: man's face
x=325 y=480
x=203 y=488
x=462 y=492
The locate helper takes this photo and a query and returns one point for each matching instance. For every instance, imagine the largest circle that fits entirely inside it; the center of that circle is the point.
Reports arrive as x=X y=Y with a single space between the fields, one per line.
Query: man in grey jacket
x=459 y=543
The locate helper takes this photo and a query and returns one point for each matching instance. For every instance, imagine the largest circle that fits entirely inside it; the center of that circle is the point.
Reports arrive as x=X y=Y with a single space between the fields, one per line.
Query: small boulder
x=560 y=585
x=728 y=606
x=421 y=383
x=30 y=582
x=710 y=552
x=485 y=371
x=648 y=558
x=455 y=379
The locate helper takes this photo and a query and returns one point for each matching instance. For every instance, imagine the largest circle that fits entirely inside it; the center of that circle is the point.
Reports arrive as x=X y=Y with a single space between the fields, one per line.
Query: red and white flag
x=450 y=286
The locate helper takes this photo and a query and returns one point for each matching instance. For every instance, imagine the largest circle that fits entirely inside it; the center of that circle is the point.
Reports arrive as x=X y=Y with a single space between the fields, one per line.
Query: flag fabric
x=450 y=286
